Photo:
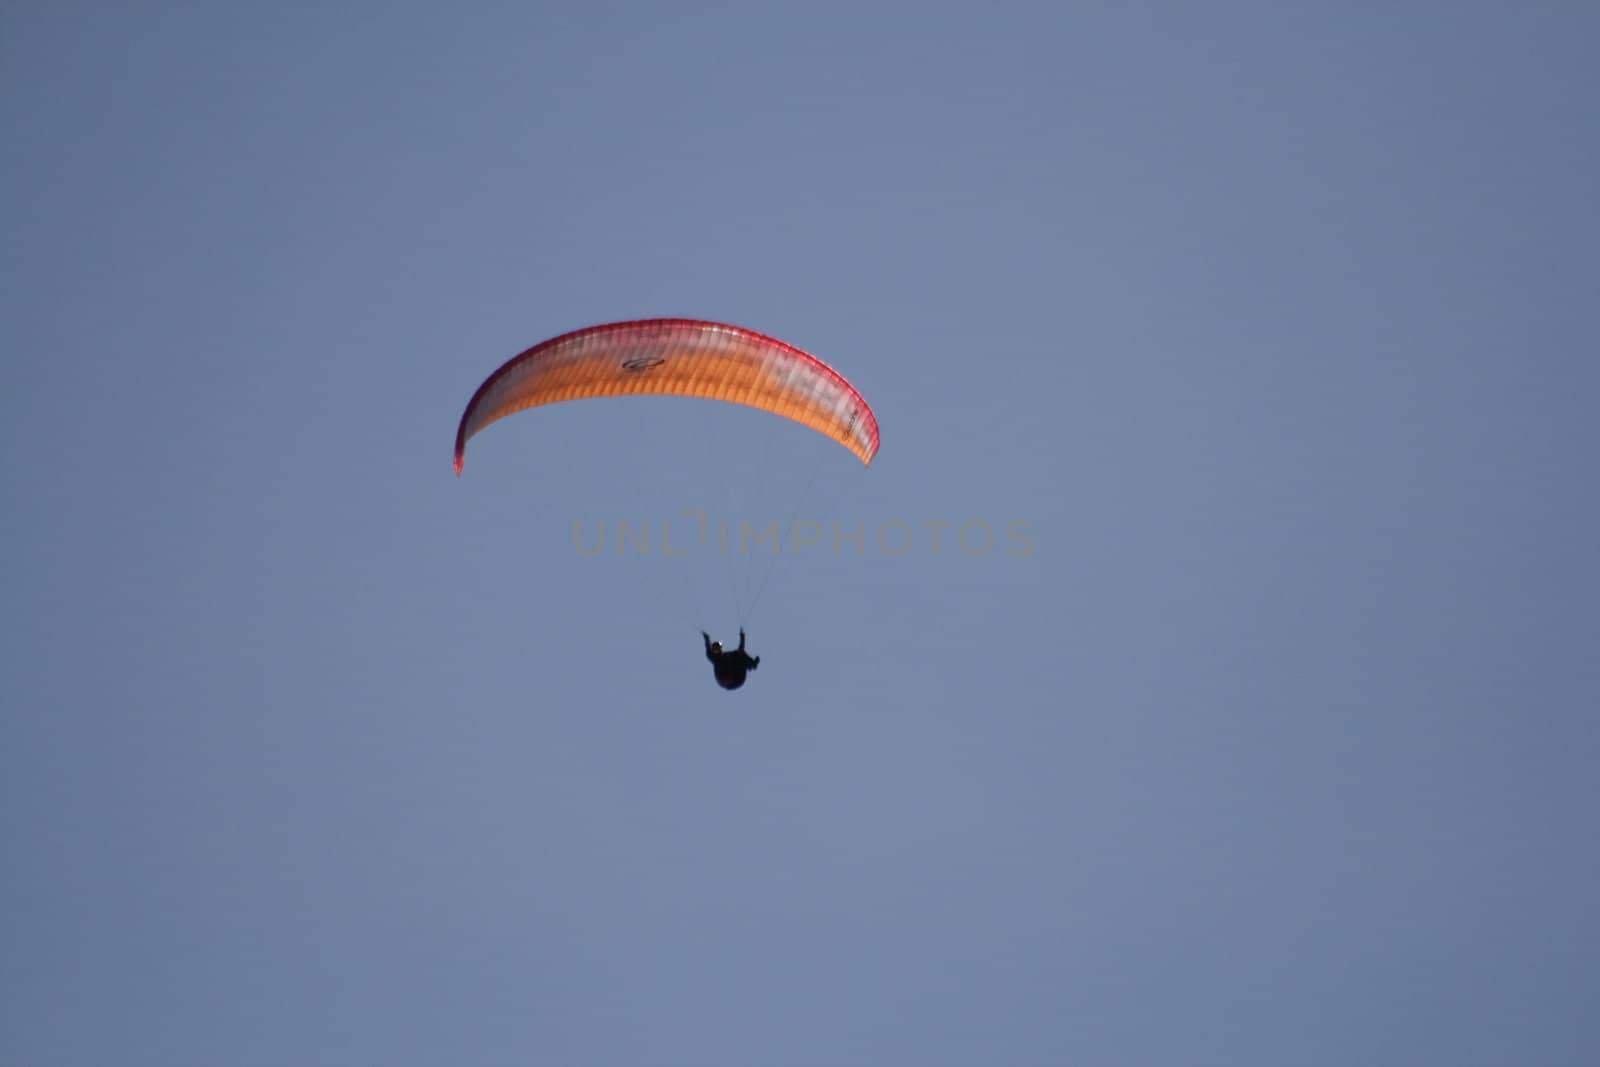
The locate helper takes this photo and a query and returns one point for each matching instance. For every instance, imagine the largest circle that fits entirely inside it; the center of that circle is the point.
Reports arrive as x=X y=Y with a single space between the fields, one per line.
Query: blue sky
x=1274 y=323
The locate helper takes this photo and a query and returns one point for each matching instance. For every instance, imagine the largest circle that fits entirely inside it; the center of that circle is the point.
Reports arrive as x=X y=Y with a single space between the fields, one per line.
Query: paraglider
x=679 y=357
x=729 y=668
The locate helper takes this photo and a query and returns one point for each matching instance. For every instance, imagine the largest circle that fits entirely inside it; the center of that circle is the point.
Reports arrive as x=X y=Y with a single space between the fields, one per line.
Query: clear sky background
x=1276 y=323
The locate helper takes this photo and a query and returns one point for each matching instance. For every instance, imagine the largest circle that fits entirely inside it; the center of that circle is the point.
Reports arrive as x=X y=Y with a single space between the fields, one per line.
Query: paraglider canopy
x=678 y=357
